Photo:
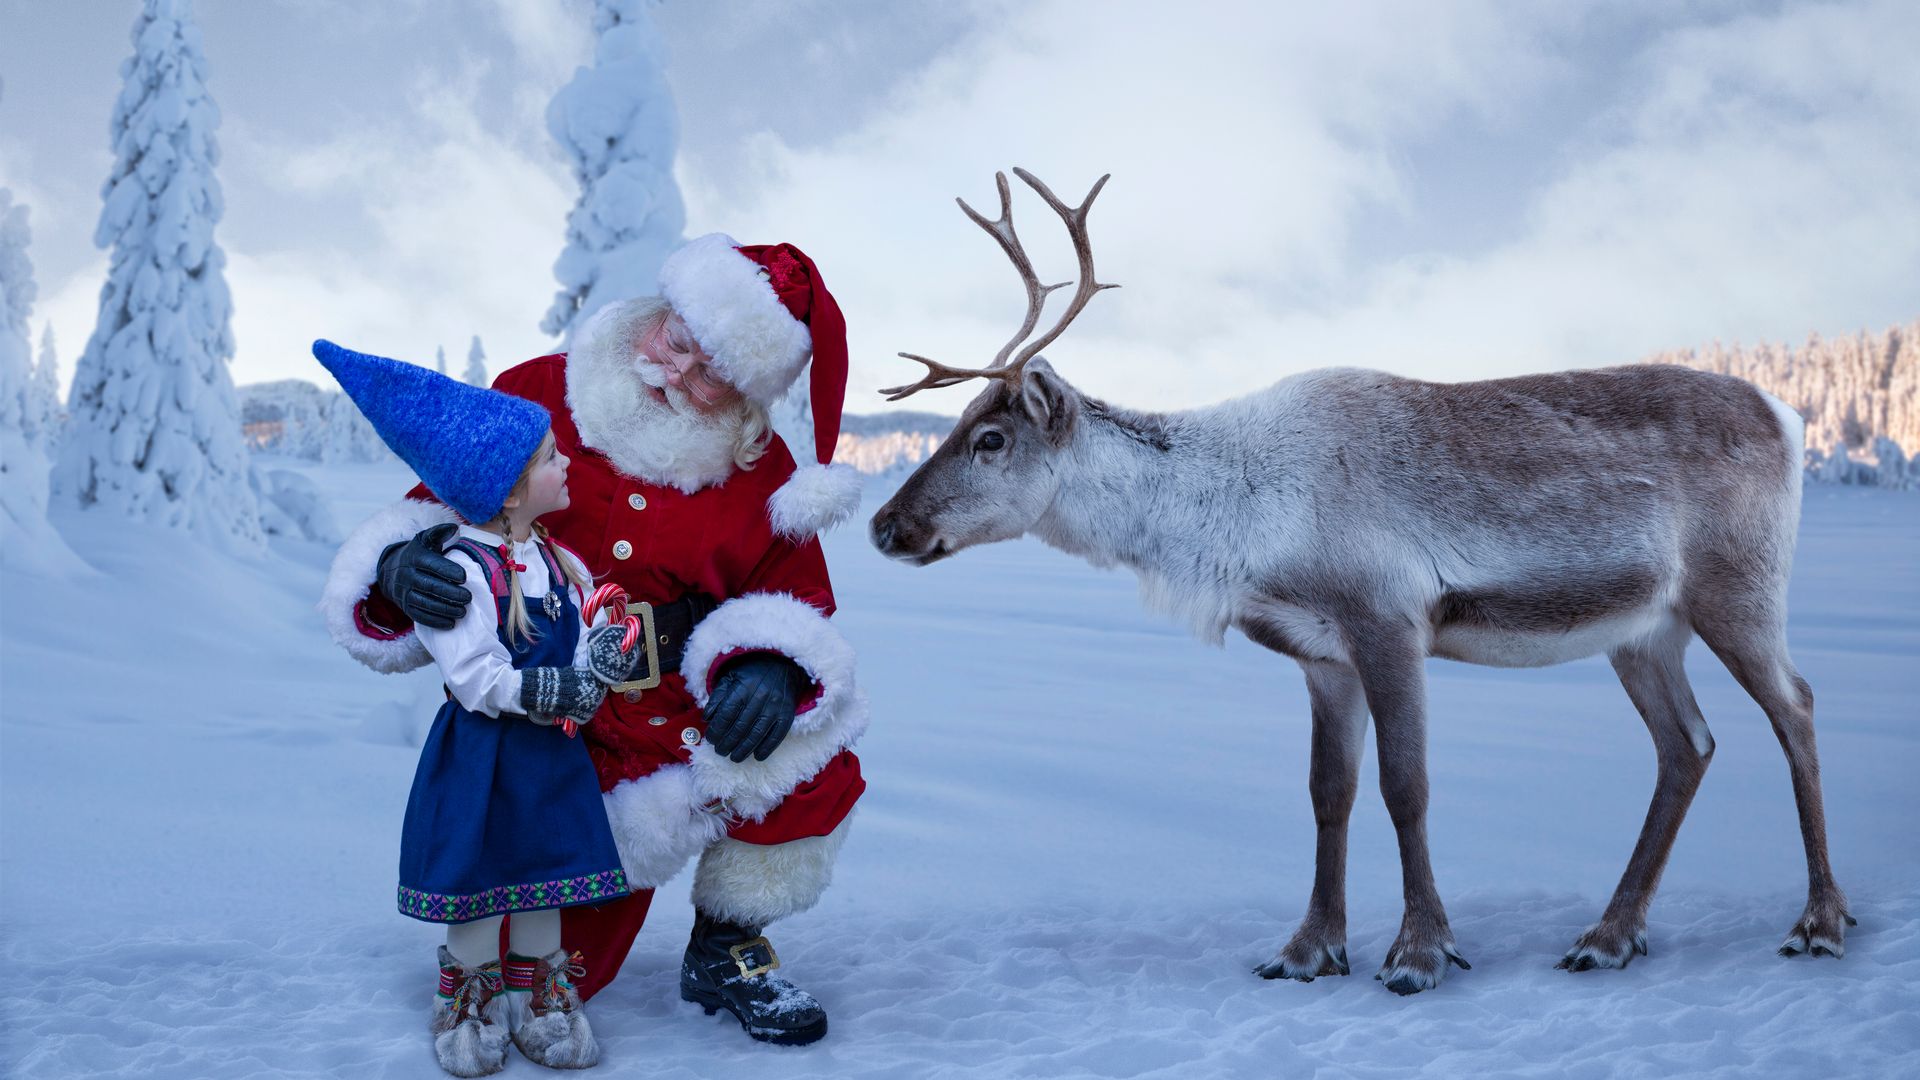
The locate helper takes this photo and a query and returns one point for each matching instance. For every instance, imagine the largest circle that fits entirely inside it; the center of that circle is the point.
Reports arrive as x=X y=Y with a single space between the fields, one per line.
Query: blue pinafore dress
x=505 y=814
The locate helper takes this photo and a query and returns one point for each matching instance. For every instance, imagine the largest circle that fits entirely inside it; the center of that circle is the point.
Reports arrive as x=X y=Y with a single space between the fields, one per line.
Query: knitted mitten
x=605 y=659
x=549 y=693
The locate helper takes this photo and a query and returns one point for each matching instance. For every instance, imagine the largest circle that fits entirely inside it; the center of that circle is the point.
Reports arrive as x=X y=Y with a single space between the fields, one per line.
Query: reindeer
x=1359 y=522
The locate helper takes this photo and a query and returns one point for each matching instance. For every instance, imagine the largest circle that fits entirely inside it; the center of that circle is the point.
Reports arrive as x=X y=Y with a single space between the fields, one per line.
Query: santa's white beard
x=661 y=442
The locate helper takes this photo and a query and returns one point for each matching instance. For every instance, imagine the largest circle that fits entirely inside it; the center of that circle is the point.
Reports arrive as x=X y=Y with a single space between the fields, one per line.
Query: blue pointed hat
x=468 y=444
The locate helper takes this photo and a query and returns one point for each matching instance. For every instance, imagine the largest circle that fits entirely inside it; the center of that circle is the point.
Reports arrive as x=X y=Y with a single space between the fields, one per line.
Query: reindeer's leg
x=1390 y=660
x=1319 y=946
x=1656 y=680
x=1755 y=651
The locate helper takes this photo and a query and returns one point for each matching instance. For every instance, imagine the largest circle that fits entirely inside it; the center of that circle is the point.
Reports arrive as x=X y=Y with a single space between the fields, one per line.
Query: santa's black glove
x=605 y=659
x=426 y=584
x=752 y=705
x=549 y=693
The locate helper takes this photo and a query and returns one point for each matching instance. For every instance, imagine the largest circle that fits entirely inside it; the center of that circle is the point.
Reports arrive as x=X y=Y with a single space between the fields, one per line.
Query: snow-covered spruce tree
x=27 y=541
x=476 y=363
x=348 y=434
x=615 y=124
x=154 y=427
x=22 y=466
x=440 y=359
x=46 y=394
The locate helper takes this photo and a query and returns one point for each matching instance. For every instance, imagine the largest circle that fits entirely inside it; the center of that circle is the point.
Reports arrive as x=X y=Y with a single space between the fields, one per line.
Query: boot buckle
x=749 y=969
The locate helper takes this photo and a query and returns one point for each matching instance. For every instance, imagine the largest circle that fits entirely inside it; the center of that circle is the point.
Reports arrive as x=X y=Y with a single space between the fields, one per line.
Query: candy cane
x=610 y=596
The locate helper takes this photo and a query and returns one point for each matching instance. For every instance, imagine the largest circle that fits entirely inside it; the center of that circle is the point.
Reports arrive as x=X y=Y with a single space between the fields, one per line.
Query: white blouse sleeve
x=599 y=618
x=473 y=663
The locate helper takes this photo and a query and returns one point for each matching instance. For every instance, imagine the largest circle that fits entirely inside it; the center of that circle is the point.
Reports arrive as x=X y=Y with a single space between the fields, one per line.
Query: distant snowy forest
x=1860 y=395
x=297 y=419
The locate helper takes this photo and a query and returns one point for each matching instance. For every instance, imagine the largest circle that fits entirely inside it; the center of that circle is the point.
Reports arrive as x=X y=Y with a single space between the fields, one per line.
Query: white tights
x=532 y=933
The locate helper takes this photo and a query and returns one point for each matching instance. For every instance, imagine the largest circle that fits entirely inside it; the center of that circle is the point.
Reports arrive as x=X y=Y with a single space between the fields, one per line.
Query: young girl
x=505 y=816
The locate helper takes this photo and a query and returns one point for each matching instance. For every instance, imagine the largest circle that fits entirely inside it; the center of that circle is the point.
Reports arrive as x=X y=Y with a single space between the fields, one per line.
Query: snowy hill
x=1083 y=831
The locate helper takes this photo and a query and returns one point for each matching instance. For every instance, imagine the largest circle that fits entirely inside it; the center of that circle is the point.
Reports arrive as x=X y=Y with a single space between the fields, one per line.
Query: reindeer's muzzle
x=897 y=537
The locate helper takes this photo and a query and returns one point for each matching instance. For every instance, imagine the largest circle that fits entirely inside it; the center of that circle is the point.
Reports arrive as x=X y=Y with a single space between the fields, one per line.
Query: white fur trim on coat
x=657 y=824
x=352 y=576
x=751 y=789
x=787 y=625
x=754 y=340
x=754 y=884
x=838 y=718
x=815 y=498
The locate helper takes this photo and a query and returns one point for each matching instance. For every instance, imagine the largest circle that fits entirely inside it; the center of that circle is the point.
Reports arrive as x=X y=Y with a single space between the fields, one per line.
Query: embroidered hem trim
x=505 y=899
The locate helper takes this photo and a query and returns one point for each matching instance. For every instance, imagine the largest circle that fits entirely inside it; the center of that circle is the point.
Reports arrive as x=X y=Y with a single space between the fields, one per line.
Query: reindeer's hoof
x=1822 y=929
x=1306 y=960
x=1605 y=945
x=1412 y=968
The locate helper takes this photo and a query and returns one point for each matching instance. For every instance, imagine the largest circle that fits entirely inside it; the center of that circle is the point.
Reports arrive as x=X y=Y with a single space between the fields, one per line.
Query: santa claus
x=733 y=741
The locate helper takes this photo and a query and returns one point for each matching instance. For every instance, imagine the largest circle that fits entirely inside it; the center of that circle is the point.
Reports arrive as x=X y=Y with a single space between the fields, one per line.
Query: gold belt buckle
x=748 y=971
x=652 y=643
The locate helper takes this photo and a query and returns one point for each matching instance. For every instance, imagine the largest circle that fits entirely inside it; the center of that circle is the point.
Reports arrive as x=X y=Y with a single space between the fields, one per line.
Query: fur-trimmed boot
x=469 y=1025
x=729 y=966
x=543 y=1010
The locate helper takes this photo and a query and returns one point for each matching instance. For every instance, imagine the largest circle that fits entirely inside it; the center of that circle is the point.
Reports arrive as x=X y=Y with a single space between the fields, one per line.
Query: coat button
x=638 y=502
x=690 y=736
x=631 y=696
x=657 y=721
x=622 y=549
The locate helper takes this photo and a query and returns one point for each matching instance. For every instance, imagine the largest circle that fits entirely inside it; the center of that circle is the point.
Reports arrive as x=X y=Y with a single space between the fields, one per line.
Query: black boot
x=729 y=967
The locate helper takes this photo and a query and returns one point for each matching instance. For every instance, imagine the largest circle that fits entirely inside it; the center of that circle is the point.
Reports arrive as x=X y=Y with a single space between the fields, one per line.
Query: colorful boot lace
x=469 y=1029
x=544 y=1010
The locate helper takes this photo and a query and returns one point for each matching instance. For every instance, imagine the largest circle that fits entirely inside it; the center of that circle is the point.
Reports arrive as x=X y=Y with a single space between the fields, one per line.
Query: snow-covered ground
x=1083 y=831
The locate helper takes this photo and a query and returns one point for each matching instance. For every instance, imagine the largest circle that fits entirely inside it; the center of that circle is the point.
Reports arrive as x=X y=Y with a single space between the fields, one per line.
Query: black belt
x=664 y=629
x=673 y=624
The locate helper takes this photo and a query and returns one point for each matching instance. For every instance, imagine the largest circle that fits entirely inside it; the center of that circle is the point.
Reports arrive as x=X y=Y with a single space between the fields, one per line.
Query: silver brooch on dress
x=552 y=604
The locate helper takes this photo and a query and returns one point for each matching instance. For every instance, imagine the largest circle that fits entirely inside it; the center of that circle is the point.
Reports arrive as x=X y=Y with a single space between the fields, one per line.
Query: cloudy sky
x=1449 y=190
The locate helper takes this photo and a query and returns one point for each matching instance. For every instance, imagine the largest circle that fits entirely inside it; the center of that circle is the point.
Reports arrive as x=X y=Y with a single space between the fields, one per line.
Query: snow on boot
x=730 y=967
x=543 y=1010
x=469 y=1030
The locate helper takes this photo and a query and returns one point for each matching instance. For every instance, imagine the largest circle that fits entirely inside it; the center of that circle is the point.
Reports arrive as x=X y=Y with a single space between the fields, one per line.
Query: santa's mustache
x=654 y=376
x=679 y=398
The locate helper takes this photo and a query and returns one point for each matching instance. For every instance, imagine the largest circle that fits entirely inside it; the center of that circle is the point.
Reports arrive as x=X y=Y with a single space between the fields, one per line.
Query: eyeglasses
x=680 y=353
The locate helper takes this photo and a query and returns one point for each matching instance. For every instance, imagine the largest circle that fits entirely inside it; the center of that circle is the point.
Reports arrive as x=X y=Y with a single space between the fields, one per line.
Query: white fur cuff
x=352 y=575
x=751 y=789
x=754 y=884
x=657 y=824
x=784 y=624
x=815 y=498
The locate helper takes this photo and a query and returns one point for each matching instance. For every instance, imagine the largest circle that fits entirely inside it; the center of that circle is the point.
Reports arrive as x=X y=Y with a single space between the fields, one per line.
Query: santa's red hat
x=758 y=311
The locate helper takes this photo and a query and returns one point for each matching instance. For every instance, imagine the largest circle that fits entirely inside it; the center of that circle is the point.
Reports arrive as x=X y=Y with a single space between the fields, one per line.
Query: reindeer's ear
x=1050 y=403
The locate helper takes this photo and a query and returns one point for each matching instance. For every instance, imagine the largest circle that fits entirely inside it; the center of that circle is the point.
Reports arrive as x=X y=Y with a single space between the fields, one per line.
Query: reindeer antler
x=1001 y=229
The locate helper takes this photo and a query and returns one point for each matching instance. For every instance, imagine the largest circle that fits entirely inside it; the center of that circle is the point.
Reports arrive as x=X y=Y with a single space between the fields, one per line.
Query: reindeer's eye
x=990 y=441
